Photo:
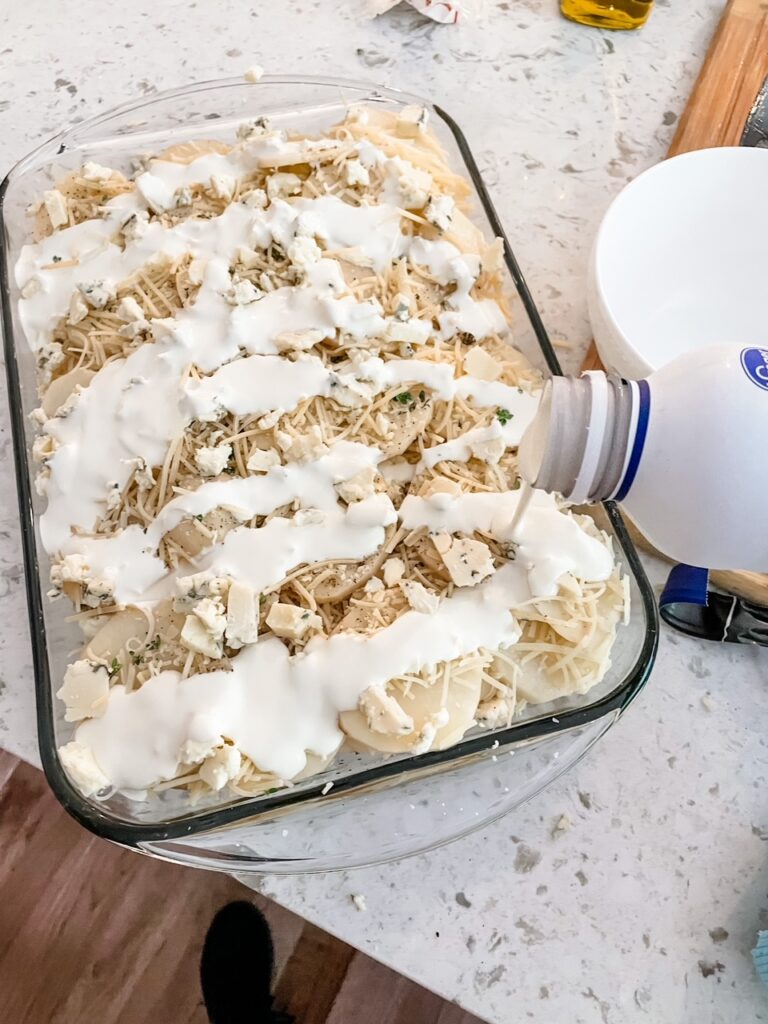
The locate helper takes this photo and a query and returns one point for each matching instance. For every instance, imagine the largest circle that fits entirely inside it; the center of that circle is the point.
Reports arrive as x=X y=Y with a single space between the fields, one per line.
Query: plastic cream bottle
x=684 y=451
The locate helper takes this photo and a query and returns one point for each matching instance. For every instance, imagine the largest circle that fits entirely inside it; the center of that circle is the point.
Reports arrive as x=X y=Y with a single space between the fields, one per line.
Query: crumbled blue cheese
x=254 y=73
x=304 y=448
x=489 y=451
x=355 y=173
x=96 y=293
x=426 y=735
x=283 y=183
x=468 y=561
x=298 y=341
x=402 y=306
x=359 y=901
x=142 y=474
x=135 y=226
x=78 y=309
x=304 y=251
x=253 y=129
x=203 y=630
x=85 y=690
x=291 y=622
x=56 y=207
x=374 y=586
x=155 y=193
x=114 y=495
x=439 y=211
x=212 y=461
x=409 y=332
x=247 y=257
x=50 y=356
x=223 y=186
x=96 y=172
x=495 y=711
x=412 y=185
x=182 y=196
x=262 y=460
x=269 y=420
x=359 y=486
x=309 y=517
x=242 y=293
x=221 y=767
x=383 y=713
x=70 y=569
x=257 y=199
x=80 y=765
x=190 y=589
x=410 y=121
x=129 y=309
x=418 y=597
x=242 y=615
x=393 y=571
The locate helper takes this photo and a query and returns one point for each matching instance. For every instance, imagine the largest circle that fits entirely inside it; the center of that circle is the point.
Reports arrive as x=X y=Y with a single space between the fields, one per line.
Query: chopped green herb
x=503 y=416
x=230 y=470
x=269 y=792
x=114 y=667
x=137 y=659
x=262 y=599
x=56 y=259
x=404 y=398
x=198 y=517
x=154 y=644
x=422 y=396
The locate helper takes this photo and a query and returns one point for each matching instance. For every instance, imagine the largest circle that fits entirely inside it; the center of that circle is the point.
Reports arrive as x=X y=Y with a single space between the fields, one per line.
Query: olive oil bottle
x=608 y=13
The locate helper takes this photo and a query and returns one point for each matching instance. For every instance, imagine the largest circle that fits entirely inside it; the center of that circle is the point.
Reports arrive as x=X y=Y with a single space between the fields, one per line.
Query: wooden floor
x=91 y=932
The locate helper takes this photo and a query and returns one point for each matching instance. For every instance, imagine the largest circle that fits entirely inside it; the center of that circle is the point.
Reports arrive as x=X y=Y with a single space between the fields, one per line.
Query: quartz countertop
x=645 y=909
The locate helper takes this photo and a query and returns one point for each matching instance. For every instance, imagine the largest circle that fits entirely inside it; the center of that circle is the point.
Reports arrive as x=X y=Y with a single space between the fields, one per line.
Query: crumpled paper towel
x=444 y=11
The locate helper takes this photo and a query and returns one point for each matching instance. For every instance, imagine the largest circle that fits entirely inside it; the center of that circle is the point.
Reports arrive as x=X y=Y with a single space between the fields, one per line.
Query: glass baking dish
x=391 y=805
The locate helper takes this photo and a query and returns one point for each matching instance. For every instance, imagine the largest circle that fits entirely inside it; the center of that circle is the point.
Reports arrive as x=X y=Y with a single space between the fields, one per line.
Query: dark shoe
x=236 y=968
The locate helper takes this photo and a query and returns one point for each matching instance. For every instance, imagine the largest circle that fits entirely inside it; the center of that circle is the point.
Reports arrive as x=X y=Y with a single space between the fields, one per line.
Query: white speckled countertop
x=646 y=908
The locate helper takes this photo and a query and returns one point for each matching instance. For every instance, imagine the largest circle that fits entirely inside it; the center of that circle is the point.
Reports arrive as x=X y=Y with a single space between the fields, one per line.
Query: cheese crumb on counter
x=254 y=73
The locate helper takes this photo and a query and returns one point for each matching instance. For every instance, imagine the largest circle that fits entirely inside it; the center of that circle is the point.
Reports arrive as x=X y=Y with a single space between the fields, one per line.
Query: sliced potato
x=186 y=152
x=408 y=422
x=128 y=624
x=421 y=704
x=60 y=389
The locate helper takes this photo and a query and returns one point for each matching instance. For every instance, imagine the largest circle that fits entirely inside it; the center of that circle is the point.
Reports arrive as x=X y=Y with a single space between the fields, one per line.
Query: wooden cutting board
x=733 y=72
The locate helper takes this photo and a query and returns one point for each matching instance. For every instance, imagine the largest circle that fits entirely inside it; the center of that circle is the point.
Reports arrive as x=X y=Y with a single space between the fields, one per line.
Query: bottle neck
x=587 y=438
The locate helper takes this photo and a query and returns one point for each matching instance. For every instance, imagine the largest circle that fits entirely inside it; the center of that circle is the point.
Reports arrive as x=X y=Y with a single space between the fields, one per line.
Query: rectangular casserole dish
x=308 y=105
